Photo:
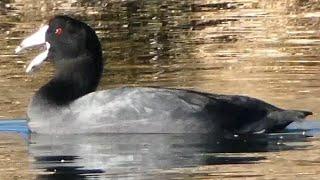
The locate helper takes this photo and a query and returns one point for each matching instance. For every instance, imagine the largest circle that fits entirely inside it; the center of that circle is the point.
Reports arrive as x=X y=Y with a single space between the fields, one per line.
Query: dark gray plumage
x=67 y=103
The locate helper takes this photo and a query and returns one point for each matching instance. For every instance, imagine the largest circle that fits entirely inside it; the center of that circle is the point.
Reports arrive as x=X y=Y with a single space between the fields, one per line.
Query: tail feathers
x=303 y=114
x=295 y=115
x=279 y=120
x=275 y=121
x=288 y=115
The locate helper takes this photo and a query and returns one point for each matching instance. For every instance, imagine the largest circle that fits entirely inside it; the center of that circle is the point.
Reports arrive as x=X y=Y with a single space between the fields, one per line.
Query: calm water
x=267 y=49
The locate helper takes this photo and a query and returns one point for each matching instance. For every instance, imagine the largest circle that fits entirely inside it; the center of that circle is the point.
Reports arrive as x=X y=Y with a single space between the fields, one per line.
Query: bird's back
x=153 y=110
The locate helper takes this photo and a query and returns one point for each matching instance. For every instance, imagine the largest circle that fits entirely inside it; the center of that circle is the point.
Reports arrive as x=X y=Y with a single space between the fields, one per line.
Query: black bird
x=68 y=104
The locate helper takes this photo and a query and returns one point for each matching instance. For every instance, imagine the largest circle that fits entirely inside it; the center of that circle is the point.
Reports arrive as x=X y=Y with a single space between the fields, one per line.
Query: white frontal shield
x=36 y=39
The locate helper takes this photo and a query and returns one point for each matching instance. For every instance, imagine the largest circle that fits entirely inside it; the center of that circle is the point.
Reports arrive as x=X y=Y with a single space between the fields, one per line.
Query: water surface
x=267 y=49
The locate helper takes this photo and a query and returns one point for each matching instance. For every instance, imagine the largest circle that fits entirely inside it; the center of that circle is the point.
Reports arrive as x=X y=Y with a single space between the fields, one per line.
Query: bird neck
x=74 y=78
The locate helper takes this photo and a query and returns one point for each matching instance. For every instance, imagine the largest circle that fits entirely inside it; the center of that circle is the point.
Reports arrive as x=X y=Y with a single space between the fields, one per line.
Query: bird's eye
x=58 y=31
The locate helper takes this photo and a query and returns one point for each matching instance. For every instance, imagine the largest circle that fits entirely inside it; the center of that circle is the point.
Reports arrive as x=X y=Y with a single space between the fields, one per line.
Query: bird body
x=68 y=103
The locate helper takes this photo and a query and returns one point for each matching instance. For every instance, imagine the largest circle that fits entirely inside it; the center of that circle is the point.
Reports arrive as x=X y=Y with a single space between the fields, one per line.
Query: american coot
x=68 y=103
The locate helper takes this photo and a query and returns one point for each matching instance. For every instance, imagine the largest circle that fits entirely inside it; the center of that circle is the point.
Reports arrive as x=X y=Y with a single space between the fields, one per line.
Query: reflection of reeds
x=263 y=48
x=218 y=46
x=266 y=49
x=14 y=158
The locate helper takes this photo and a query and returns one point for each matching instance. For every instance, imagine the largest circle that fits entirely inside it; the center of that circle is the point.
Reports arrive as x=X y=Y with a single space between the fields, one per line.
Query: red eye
x=58 y=31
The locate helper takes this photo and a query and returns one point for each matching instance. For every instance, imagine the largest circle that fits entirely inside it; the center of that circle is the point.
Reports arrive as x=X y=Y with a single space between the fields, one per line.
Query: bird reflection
x=99 y=155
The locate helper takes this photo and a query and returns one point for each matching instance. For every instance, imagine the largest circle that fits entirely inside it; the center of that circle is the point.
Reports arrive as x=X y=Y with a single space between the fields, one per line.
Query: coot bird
x=68 y=104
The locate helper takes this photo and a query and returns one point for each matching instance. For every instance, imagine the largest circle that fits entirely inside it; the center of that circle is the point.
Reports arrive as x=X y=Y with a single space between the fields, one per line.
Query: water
x=266 y=49
x=145 y=156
